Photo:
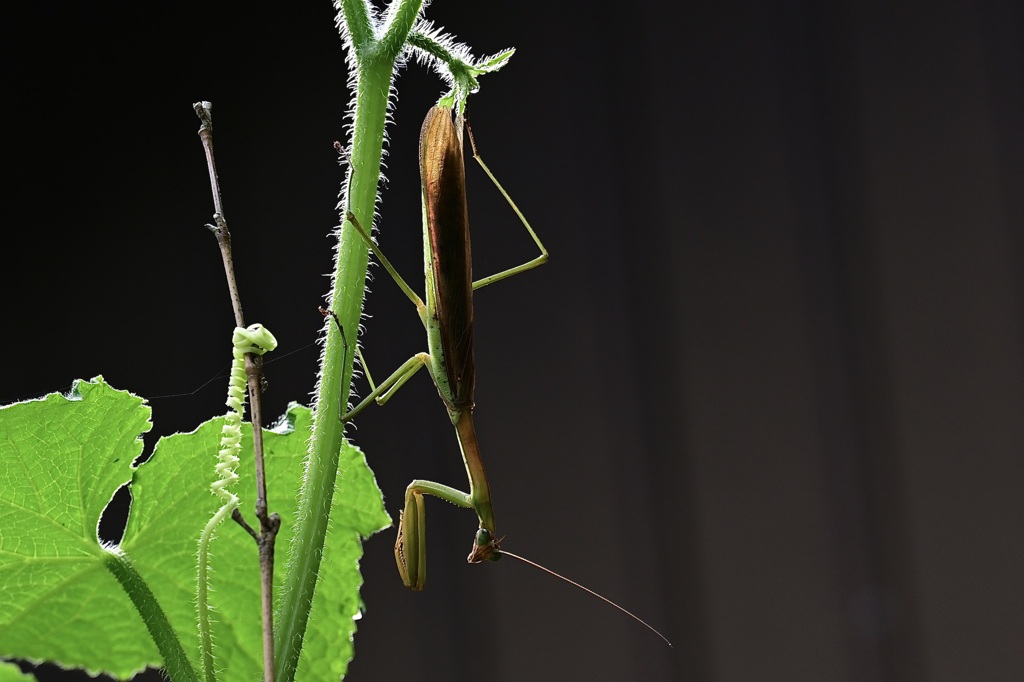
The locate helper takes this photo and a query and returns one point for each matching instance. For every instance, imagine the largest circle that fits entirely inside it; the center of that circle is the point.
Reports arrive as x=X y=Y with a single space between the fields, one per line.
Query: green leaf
x=12 y=673
x=61 y=460
x=168 y=483
x=494 y=62
x=59 y=603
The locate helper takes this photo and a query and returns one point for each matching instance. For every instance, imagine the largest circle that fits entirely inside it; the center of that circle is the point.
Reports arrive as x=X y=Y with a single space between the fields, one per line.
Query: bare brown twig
x=269 y=523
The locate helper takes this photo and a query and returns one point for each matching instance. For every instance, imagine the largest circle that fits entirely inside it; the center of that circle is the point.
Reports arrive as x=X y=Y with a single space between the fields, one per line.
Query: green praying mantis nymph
x=447 y=315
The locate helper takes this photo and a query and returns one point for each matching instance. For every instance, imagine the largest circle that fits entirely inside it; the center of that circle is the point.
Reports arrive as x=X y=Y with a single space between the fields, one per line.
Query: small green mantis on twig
x=447 y=316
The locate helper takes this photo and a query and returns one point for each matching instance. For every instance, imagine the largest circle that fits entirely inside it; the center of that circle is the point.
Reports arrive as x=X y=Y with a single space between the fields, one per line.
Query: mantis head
x=485 y=548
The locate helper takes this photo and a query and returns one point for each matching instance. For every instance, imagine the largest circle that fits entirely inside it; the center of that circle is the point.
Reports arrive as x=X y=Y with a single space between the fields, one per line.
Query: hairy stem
x=176 y=663
x=375 y=70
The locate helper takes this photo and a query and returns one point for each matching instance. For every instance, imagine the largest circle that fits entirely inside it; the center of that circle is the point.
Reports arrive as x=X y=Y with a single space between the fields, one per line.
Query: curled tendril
x=258 y=340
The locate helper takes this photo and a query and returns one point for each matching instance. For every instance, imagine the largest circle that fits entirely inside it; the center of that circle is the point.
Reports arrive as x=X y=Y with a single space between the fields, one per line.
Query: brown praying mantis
x=447 y=315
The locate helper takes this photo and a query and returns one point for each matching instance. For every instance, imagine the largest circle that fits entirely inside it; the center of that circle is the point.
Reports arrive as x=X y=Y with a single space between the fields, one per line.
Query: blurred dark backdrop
x=768 y=393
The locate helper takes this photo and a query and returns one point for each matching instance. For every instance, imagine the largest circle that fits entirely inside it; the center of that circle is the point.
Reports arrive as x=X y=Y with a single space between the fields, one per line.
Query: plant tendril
x=258 y=340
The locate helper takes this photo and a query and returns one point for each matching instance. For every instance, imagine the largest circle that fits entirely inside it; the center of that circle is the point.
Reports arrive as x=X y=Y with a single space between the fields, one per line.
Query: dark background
x=768 y=393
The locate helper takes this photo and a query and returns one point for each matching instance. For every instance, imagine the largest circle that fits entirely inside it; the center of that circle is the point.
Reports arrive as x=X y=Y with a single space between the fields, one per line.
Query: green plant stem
x=176 y=663
x=375 y=63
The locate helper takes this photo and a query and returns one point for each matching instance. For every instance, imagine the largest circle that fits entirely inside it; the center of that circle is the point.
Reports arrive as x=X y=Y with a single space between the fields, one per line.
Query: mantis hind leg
x=350 y=217
x=529 y=265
